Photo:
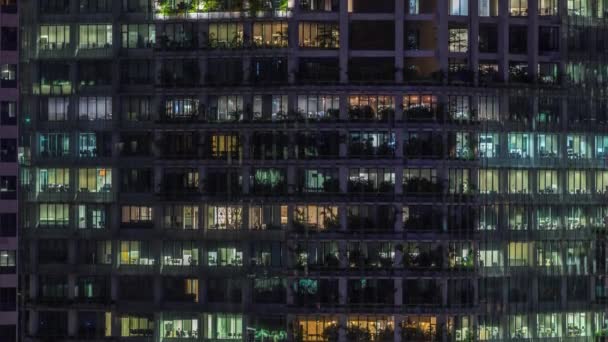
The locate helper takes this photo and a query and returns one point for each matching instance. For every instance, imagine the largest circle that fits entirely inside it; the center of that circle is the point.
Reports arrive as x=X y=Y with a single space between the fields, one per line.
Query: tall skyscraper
x=312 y=170
x=9 y=95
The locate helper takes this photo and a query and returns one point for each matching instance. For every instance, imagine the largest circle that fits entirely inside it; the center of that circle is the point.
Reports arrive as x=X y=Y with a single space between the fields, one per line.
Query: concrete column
x=72 y=323
x=343 y=149
x=503 y=39
x=114 y=288
x=342 y=290
x=158 y=289
x=293 y=36
x=533 y=39
x=71 y=286
x=33 y=290
x=245 y=173
x=442 y=36
x=343 y=114
x=397 y=325
x=399 y=24
x=474 y=39
x=292 y=179
x=344 y=18
x=398 y=292
x=343 y=170
x=342 y=323
x=33 y=323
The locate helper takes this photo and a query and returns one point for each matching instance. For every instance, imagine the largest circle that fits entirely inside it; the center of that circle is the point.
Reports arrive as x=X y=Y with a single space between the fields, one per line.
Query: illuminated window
x=224 y=217
x=267 y=217
x=547 y=145
x=224 y=256
x=226 y=108
x=519 y=145
x=180 y=217
x=323 y=35
x=578 y=147
x=53 y=180
x=179 y=328
x=548 y=218
x=136 y=253
x=136 y=215
x=270 y=34
x=180 y=253
x=577 y=182
x=316 y=217
x=518 y=182
x=518 y=7
x=548 y=182
x=549 y=325
x=132 y=326
x=519 y=254
x=95 y=36
x=54 y=37
x=95 y=180
x=225 y=35
x=95 y=108
x=519 y=327
x=548 y=254
x=459 y=7
x=319 y=106
x=488 y=181
x=53 y=215
x=314 y=328
x=458 y=40
x=220 y=326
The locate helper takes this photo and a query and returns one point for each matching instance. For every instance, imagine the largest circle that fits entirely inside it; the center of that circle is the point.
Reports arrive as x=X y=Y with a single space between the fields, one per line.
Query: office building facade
x=9 y=96
x=314 y=170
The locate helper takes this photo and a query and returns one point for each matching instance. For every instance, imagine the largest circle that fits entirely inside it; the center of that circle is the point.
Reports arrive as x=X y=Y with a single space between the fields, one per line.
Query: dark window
x=8 y=299
x=376 y=6
x=488 y=38
x=95 y=6
x=372 y=35
x=52 y=251
x=8 y=40
x=8 y=6
x=54 y=6
x=8 y=150
x=269 y=70
x=8 y=332
x=548 y=39
x=136 y=288
x=95 y=73
x=8 y=113
x=518 y=39
x=131 y=6
x=8 y=225
x=8 y=187
x=137 y=72
x=53 y=323
x=136 y=180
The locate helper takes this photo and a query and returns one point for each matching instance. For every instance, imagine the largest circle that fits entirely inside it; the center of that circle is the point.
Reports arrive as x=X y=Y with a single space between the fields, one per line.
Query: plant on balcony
x=165 y=8
x=359 y=334
x=356 y=258
x=331 y=333
x=331 y=260
x=601 y=333
x=386 y=186
x=330 y=221
x=360 y=185
x=386 y=114
x=210 y=5
x=386 y=334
